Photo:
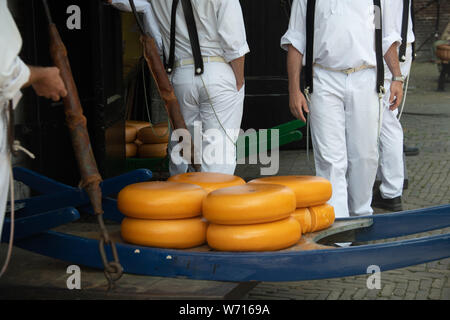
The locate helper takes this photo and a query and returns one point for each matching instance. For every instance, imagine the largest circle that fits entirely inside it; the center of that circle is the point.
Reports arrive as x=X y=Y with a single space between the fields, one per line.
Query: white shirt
x=344 y=35
x=220 y=27
x=396 y=9
x=13 y=72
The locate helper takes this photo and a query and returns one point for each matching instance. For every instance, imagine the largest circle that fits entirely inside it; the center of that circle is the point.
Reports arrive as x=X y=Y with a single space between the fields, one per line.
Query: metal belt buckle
x=349 y=70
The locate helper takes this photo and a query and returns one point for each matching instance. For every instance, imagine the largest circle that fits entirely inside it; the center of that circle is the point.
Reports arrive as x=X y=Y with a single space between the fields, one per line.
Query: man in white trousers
x=344 y=108
x=212 y=102
x=391 y=164
x=14 y=75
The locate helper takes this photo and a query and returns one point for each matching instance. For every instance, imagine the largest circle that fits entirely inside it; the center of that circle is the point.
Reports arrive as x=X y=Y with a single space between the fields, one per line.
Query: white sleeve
x=392 y=14
x=12 y=78
x=296 y=33
x=231 y=29
x=150 y=23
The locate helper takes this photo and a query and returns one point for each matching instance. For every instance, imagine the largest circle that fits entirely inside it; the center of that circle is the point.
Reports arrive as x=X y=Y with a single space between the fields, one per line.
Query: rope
x=308 y=99
x=380 y=114
x=215 y=113
x=147 y=108
x=16 y=147
x=11 y=233
x=404 y=98
x=308 y=130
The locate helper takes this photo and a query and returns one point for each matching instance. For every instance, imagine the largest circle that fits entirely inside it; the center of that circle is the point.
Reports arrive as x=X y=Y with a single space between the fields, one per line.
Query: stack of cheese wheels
x=209 y=181
x=154 y=140
x=311 y=193
x=130 y=137
x=251 y=218
x=132 y=143
x=163 y=214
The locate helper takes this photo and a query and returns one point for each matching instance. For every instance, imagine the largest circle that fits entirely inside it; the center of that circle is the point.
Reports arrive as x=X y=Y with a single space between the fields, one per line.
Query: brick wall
x=426 y=25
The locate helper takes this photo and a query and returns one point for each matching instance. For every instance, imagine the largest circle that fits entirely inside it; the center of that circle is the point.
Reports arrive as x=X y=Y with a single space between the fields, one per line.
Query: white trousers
x=4 y=165
x=391 y=165
x=344 y=115
x=219 y=126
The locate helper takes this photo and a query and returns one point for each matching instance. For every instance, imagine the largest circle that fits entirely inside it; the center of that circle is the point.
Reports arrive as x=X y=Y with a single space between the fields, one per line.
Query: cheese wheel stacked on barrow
x=153 y=141
x=312 y=194
x=245 y=217
x=163 y=214
x=253 y=217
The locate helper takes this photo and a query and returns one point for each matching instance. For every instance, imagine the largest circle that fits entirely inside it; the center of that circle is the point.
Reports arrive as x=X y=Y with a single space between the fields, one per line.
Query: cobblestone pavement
x=426 y=124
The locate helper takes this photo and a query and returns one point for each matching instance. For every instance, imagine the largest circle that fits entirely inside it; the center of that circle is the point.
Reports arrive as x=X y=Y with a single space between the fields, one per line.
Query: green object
x=247 y=145
x=258 y=142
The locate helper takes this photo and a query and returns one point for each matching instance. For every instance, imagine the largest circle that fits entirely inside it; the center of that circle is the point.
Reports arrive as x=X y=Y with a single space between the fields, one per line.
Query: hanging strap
x=379 y=48
x=405 y=20
x=173 y=20
x=413 y=18
x=193 y=36
x=310 y=17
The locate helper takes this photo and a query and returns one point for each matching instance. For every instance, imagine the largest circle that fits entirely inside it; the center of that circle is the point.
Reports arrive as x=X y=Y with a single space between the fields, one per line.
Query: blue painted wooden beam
x=263 y=266
x=404 y=223
x=56 y=195
x=28 y=226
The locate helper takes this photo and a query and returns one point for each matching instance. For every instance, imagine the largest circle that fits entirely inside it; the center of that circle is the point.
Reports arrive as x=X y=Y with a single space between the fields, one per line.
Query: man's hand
x=47 y=82
x=391 y=58
x=298 y=105
x=396 y=95
x=238 y=68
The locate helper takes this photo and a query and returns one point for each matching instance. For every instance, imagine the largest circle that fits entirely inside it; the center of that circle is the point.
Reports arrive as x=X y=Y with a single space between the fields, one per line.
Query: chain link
x=113 y=269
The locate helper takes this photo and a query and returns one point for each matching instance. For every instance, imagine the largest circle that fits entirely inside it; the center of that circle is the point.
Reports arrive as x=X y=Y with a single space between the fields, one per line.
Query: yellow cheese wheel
x=158 y=133
x=321 y=217
x=153 y=150
x=130 y=150
x=161 y=200
x=309 y=190
x=130 y=134
x=304 y=217
x=137 y=124
x=138 y=142
x=270 y=236
x=209 y=181
x=249 y=204
x=174 y=234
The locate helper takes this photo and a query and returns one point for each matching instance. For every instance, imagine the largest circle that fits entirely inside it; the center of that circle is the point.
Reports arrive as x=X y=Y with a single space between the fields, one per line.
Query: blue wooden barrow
x=314 y=257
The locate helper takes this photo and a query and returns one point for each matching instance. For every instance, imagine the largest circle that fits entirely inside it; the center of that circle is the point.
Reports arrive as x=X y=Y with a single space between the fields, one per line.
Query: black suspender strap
x=310 y=17
x=193 y=36
x=413 y=18
x=173 y=21
x=379 y=46
x=405 y=20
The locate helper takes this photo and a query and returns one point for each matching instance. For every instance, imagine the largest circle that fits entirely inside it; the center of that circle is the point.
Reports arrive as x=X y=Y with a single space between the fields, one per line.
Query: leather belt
x=346 y=71
x=187 y=62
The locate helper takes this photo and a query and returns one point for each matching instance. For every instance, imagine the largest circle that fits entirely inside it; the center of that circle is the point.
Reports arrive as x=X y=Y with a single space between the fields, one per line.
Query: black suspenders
x=379 y=46
x=405 y=20
x=193 y=36
x=310 y=17
x=413 y=19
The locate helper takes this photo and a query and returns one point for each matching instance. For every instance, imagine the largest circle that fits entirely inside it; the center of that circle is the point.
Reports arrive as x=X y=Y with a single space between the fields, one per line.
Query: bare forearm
x=297 y=101
x=294 y=68
x=238 y=68
x=392 y=60
x=35 y=75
